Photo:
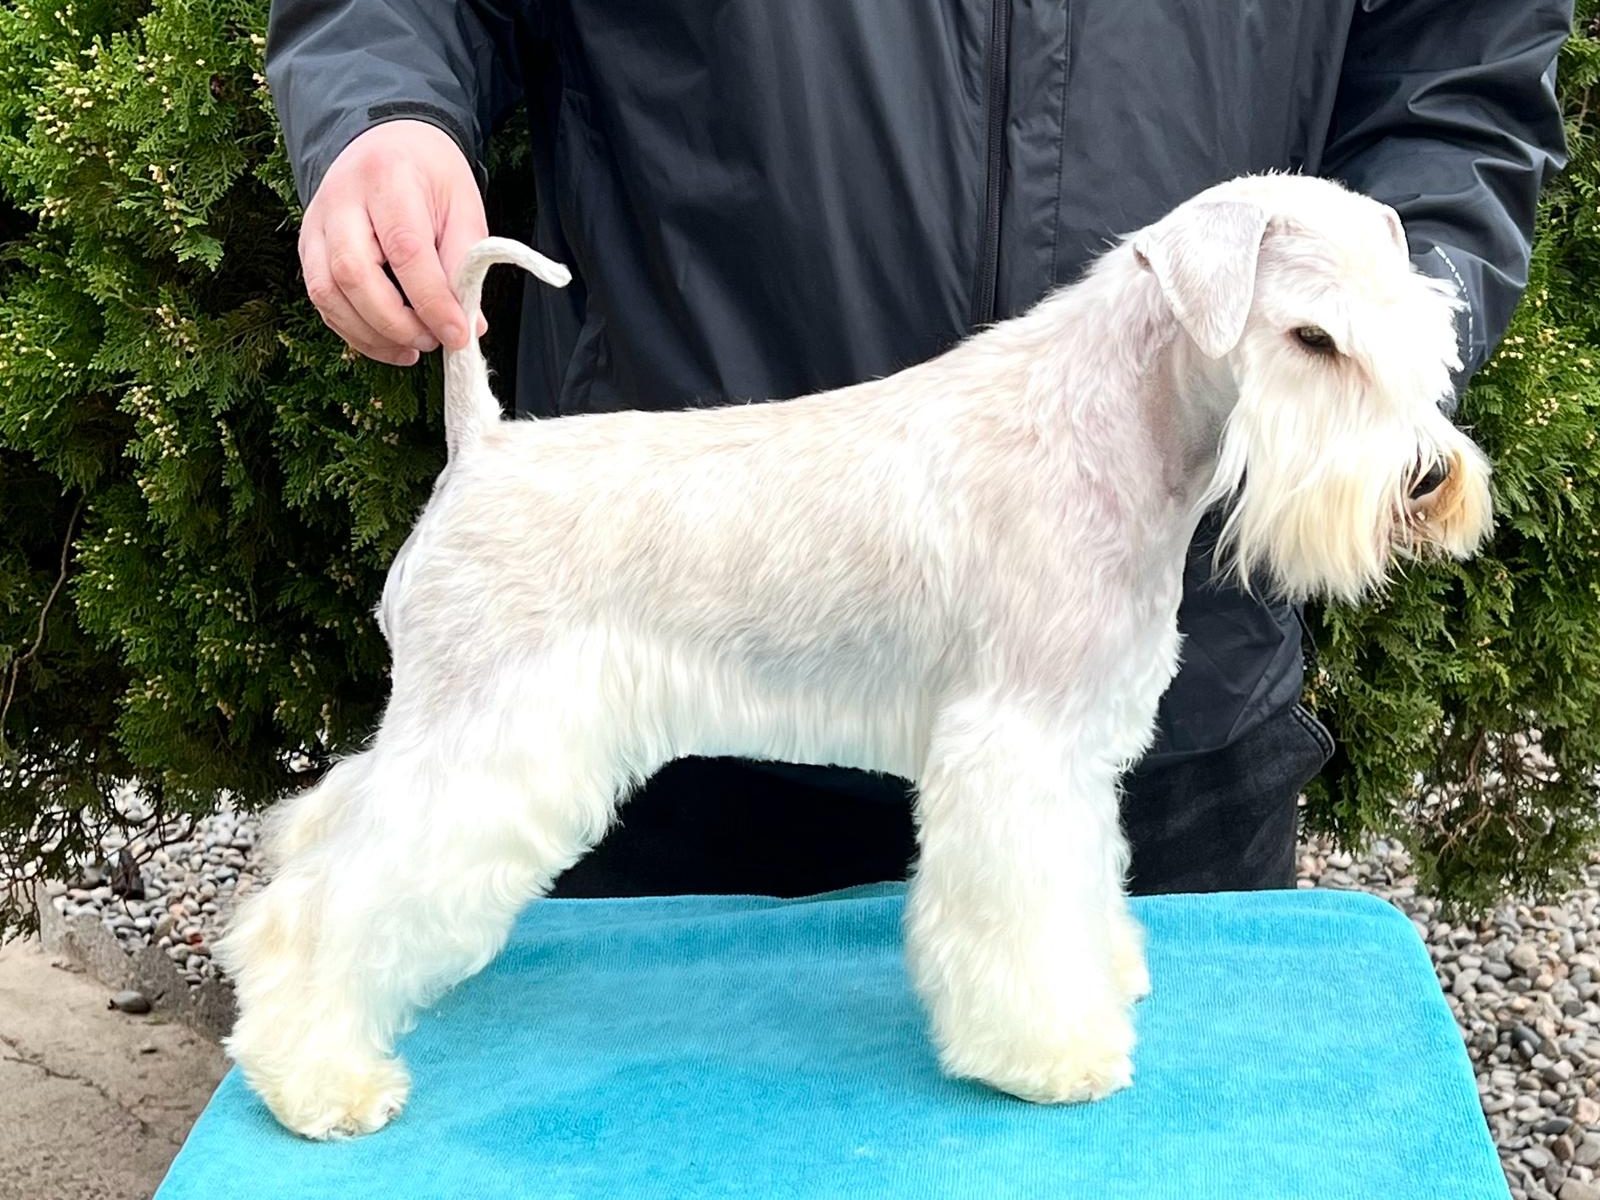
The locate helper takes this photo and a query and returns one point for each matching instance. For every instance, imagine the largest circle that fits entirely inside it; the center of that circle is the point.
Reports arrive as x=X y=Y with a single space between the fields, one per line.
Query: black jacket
x=765 y=198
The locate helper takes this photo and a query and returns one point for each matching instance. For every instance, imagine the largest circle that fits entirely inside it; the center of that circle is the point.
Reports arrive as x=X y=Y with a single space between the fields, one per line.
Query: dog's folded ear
x=1204 y=256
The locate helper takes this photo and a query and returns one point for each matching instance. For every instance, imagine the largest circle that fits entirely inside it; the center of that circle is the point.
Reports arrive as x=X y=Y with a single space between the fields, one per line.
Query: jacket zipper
x=998 y=63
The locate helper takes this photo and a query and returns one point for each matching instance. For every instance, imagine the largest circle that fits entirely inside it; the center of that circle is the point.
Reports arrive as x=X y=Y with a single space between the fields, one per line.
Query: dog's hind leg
x=300 y=822
x=1009 y=917
x=415 y=881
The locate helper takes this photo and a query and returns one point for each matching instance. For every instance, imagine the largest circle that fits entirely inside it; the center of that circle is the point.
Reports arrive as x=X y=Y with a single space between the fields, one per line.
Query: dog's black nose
x=1437 y=474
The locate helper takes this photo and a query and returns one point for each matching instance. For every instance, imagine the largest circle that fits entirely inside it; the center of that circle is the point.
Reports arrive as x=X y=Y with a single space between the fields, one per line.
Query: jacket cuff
x=358 y=123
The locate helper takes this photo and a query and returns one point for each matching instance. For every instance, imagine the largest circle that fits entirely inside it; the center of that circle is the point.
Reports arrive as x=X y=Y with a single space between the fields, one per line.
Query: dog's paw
x=333 y=1098
x=1089 y=1061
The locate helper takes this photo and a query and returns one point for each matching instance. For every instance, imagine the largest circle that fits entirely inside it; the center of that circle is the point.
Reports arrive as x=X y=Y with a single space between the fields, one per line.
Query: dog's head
x=1300 y=297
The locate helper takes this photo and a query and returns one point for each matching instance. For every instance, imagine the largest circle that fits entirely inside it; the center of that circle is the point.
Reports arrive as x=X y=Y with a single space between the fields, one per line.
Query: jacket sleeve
x=1447 y=111
x=338 y=68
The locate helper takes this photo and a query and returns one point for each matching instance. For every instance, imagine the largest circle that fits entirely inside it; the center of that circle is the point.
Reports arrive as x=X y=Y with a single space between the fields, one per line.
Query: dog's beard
x=1319 y=493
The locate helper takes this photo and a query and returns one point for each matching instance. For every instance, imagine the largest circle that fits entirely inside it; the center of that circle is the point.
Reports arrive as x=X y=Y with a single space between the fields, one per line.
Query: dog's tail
x=469 y=405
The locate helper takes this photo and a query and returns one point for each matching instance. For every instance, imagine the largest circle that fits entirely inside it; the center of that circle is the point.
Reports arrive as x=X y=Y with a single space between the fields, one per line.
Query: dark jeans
x=1224 y=821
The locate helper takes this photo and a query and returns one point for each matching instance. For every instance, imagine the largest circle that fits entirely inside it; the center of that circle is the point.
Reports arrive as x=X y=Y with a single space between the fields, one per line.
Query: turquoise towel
x=1297 y=1047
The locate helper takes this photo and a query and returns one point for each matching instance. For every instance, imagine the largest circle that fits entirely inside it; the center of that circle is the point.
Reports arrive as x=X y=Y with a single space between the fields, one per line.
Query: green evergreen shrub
x=200 y=488
x=228 y=482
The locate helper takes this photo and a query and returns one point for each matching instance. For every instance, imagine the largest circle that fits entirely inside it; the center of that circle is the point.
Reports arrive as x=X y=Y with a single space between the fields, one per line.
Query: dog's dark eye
x=1313 y=338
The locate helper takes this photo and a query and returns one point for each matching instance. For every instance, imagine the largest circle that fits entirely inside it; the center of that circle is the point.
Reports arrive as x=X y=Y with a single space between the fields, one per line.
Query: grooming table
x=1297 y=1047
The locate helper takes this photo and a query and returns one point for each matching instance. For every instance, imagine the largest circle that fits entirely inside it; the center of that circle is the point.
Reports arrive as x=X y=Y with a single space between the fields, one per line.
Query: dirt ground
x=95 y=1102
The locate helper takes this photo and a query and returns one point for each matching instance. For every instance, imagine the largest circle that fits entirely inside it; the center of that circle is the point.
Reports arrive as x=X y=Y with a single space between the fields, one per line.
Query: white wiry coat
x=966 y=574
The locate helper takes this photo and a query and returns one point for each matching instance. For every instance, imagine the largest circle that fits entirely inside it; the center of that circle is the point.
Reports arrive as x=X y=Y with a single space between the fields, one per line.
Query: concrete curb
x=208 y=1009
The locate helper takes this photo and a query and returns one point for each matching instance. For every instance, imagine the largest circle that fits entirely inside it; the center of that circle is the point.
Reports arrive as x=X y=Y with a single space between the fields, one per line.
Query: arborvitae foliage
x=201 y=488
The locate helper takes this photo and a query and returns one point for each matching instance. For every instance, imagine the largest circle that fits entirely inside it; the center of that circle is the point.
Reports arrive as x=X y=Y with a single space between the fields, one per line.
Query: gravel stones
x=172 y=891
x=1524 y=957
x=129 y=1002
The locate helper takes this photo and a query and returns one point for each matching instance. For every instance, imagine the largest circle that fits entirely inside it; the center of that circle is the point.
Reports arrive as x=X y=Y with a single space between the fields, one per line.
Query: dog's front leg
x=1017 y=935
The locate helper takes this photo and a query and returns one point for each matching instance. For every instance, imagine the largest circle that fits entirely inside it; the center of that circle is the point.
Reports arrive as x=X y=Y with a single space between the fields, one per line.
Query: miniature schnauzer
x=966 y=574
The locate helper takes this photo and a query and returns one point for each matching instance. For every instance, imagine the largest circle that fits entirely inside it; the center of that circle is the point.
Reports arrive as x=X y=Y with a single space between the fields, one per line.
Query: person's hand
x=402 y=193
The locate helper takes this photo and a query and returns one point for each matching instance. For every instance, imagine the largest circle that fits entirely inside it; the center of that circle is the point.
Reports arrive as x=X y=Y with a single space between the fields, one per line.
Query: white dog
x=966 y=574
